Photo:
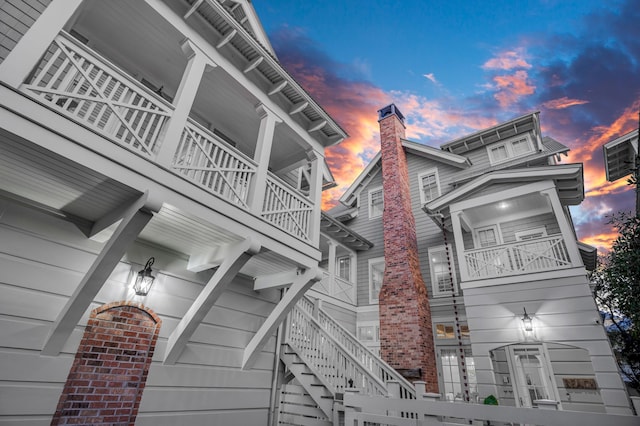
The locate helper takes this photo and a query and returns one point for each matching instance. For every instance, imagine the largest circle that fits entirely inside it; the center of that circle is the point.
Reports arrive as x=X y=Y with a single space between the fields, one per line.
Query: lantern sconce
x=527 y=321
x=144 y=279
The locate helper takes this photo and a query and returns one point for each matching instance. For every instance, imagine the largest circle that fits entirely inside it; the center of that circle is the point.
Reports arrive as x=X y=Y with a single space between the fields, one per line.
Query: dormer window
x=518 y=146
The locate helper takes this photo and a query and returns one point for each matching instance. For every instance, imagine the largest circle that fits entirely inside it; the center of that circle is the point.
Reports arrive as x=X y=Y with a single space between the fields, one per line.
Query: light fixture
x=144 y=279
x=527 y=321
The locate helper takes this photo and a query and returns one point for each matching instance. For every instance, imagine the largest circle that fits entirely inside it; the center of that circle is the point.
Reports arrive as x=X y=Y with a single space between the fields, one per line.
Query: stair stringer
x=311 y=381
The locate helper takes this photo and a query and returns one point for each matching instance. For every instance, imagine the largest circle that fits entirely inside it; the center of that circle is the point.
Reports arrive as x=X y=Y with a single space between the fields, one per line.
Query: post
x=268 y=121
x=35 y=42
x=315 y=195
x=186 y=95
x=332 y=267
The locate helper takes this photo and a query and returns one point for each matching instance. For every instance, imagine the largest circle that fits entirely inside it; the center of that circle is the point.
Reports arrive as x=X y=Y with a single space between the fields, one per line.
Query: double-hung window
x=429 y=185
x=376 y=273
x=376 y=203
x=515 y=147
x=344 y=267
x=443 y=272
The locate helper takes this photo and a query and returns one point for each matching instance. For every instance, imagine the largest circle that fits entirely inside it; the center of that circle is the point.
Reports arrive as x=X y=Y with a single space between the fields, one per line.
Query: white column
x=565 y=227
x=268 y=121
x=332 y=268
x=26 y=54
x=183 y=102
x=315 y=195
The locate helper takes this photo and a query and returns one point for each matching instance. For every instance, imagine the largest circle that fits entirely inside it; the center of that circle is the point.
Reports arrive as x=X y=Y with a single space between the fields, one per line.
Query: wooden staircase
x=323 y=359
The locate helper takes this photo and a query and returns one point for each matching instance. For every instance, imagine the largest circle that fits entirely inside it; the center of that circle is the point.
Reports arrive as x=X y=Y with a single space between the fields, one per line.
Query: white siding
x=16 y=17
x=42 y=259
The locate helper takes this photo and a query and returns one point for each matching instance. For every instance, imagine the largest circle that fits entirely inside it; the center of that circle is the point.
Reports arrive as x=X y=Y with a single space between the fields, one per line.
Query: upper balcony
x=514 y=230
x=152 y=82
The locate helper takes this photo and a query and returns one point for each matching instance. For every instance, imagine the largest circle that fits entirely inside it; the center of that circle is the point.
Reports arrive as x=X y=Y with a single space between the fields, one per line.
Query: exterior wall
x=16 y=17
x=563 y=311
x=42 y=259
x=346 y=317
x=547 y=221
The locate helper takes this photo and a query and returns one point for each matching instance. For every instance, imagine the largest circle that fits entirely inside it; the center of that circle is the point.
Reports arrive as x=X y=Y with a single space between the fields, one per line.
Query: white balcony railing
x=543 y=254
x=85 y=86
x=210 y=162
x=78 y=82
x=337 y=287
x=287 y=209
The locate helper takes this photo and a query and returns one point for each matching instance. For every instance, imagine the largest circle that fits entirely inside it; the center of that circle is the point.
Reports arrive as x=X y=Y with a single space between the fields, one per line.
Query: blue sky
x=454 y=67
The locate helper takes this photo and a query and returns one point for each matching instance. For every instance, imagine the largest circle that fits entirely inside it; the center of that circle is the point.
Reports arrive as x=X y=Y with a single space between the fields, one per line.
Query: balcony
x=336 y=287
x=522 y=257
x=79 y=83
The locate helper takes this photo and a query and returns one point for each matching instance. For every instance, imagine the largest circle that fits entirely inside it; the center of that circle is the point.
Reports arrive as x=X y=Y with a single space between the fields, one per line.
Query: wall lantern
x=144 y=279
x=527 y=321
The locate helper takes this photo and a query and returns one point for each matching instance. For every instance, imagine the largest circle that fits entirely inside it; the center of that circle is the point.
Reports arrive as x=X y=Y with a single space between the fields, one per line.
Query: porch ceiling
x=33 y=176
x=620 y=155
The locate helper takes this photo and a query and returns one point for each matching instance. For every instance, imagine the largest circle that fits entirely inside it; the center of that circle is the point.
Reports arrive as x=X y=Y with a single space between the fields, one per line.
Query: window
x=445 y=331
x=518 y=146
x=376 y=272
x=344 y=267
x=376 y=203
x=486 y=237
x=369 y=333
x=429 y=185
x=531 y=234
x=443 y=273
x=452 y=374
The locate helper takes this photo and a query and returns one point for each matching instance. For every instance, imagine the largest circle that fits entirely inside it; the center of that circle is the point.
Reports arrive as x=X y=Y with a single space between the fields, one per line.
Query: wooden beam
x=277 y=87
x=298 y=107
x=291 y=297
x=211 y=258
x=226 y=39
x=195 y=6
x=133 y=222
x=254 y=64
x=317 y=125
x=116 y=214
x=238 y=255
x=281 y=279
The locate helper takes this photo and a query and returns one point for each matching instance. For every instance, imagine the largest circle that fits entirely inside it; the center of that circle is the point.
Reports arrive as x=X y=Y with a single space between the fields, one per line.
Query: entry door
x=531 y=371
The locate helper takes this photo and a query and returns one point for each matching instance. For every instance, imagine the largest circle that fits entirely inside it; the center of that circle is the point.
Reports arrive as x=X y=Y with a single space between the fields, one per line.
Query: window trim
x=540 y=230
x=369 y=205
x=476 y=238
x=371 y=263
x=338 y=271
x=435 y=291
x=508 y=145
x=433 y=171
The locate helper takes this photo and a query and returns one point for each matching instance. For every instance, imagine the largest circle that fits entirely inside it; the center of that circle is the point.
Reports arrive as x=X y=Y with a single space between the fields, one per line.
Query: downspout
x=276 y=371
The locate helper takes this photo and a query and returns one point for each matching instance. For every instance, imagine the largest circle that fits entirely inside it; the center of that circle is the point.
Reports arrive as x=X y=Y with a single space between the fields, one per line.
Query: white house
x=511 y=309
x=161 y=142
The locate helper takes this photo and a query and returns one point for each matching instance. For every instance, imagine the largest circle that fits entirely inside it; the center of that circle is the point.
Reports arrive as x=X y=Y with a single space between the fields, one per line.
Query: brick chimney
x=406 y=336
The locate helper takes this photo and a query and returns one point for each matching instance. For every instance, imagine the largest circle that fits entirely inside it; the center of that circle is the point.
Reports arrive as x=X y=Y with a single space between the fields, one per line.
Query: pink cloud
x=563 y=102
x=507 y=60
x=510 y=88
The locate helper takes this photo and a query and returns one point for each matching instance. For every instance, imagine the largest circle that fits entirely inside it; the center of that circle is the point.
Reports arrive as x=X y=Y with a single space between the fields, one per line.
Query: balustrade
x=543 y=254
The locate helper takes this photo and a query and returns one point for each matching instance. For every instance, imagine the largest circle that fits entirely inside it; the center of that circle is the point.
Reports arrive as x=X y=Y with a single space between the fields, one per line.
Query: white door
x=532 y=375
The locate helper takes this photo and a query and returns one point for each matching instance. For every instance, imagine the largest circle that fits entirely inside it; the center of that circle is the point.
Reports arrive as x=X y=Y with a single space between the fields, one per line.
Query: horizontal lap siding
x=546 y=221
x=43 y=259
x=16 y=17
x=563 y=311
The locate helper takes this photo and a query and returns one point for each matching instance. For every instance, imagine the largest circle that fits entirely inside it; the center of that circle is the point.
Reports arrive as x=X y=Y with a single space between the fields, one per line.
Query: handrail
x=327 y=357
x=383 y=371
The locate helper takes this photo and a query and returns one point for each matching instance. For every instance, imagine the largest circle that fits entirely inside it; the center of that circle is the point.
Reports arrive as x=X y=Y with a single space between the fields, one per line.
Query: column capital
x=264 y=112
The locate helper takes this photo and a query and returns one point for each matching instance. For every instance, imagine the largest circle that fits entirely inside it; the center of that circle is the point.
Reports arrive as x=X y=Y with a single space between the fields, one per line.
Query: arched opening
x=110 y=369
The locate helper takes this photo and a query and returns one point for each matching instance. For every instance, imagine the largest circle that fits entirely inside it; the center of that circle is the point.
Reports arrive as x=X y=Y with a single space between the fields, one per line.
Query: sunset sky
x=454 y=67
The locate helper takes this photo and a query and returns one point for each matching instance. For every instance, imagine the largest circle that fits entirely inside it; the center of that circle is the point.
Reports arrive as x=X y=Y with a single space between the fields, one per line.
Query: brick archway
x=110 y=369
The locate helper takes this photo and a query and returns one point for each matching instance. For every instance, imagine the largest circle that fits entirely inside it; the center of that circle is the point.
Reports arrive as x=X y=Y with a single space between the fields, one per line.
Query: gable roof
x=568 y=179
x=363 y=179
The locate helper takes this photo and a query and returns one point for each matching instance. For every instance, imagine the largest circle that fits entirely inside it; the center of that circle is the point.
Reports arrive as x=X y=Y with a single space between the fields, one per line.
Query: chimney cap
x=388 y=110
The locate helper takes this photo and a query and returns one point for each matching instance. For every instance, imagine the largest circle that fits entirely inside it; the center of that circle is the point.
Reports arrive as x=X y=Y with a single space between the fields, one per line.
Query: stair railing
x=324 y=341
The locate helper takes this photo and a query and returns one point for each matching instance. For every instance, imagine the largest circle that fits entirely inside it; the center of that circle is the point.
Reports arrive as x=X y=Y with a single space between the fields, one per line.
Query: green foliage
x=617 y=291
x=490 y=400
